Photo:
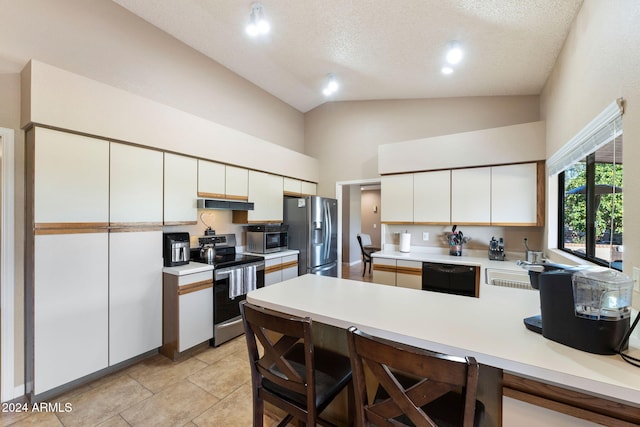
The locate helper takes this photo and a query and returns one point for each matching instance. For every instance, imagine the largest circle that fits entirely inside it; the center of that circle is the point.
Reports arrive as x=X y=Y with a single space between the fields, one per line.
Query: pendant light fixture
x=257 y=25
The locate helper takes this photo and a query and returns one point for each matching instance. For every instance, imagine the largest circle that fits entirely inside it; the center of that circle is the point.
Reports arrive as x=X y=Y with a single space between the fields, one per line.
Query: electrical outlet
x=636 y=279
x=425 y=235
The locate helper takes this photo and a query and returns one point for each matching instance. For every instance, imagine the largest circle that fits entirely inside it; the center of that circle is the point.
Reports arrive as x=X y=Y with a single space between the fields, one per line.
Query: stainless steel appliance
x=234 y=274
x=175 y=249
x=587 y=308
x=313 y=230
x=267 y=238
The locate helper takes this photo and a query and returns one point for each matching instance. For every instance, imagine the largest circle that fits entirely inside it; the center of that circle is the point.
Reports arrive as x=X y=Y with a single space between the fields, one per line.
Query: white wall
x=344 y=136
x=599 y=63
x=103 y=41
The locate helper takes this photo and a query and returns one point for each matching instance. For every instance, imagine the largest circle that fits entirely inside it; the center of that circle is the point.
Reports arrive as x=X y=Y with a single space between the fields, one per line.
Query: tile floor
x=210 y=388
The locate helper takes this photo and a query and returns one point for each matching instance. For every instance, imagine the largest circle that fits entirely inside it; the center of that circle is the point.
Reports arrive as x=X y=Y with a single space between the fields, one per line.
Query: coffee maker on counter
x=175 y=249
x=496 y=249
x=587 y=308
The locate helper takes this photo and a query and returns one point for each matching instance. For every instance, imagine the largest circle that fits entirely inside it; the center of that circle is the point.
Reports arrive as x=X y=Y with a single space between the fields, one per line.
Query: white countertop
x=490 y=328
x=474 y=258
x=275 y=254
x=192 y=267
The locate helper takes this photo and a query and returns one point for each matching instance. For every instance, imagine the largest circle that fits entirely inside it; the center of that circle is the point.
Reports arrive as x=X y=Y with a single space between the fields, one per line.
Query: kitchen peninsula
x=488 y=328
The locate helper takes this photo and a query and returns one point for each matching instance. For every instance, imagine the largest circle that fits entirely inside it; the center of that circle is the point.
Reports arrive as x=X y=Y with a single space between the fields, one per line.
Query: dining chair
x=364 y=240
x=287 y=370
x=415 y=387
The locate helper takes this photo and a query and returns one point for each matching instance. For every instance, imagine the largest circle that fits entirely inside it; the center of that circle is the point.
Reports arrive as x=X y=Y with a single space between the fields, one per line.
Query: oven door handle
x=225 y=272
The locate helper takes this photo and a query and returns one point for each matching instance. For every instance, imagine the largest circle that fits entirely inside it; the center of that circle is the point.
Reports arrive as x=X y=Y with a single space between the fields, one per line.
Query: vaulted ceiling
x=377 y=49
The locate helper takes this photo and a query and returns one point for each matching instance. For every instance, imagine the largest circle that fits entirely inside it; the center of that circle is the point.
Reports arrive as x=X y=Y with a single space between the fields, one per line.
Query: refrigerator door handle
x=327 y=230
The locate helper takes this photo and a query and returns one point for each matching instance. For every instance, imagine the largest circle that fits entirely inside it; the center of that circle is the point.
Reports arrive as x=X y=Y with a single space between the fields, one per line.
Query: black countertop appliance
x=175 y=249
x=587 y=308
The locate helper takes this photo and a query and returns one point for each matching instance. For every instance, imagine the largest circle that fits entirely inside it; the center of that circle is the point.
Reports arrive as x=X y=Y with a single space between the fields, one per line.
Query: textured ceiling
x=377 y=49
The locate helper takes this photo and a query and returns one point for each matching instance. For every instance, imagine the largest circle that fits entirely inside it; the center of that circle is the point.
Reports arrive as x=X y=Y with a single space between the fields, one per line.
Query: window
x=591 y=206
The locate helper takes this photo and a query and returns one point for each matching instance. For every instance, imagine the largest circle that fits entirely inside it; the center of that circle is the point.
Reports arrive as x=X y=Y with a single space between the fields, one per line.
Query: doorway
x=357 y=201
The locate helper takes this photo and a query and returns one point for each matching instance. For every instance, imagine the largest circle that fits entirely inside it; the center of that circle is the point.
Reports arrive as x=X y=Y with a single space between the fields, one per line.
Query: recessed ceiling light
x=332 y=85
x=454 y=53
x=446 y=70
x=257 y=25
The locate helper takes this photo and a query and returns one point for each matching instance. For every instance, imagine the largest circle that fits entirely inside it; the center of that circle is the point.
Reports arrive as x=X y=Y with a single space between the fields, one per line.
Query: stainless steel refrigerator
x=313 y=230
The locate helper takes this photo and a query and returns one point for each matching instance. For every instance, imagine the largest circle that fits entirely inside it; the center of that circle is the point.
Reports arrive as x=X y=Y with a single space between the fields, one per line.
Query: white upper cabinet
x=211 y=179
x=180 y=189
x=295 y=187
x=471 y=196
x=292 y=187
x=266 y=192
x=396 y=198
x=237 y=183
x=308 y=188
x=135 y=185
x=514 y=195
x=432 y=197
x=71 y=178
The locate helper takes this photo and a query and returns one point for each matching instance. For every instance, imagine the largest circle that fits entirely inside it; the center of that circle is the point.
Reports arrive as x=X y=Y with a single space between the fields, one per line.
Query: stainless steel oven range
x=234 y=274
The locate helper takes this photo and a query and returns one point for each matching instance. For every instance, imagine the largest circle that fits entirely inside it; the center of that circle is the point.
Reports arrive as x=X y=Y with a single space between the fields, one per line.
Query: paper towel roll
x=405 y=242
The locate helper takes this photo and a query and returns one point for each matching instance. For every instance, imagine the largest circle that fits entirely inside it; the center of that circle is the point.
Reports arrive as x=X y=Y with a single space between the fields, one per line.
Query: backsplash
x=219 y=220
x=480 y=236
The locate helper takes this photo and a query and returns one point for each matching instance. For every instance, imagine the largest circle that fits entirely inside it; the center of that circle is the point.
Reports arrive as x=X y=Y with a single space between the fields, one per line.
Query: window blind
x=601 y=130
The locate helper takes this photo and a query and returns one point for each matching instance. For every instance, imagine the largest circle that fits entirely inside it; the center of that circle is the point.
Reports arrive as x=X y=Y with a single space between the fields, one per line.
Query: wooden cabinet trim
x=383 y=267
x=409 y=270
x=195 y=287
x=289 y=264
x=49 y=228
x=570 y=402
x=180 y=223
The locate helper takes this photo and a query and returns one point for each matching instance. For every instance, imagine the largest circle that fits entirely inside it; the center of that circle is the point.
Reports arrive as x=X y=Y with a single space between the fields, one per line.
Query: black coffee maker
x=587 y=308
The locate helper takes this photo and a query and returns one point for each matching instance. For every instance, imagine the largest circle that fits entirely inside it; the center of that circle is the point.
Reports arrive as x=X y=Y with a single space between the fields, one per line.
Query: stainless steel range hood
x=230 y=205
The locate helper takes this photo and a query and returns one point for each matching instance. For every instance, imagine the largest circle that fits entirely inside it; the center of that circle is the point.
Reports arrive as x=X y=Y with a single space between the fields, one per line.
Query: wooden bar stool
x=290 y=372
x=416 y=387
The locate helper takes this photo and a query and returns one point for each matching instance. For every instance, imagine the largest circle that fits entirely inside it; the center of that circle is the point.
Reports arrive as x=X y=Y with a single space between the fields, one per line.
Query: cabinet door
x=70 y=304
x=289 y=267
x=409 y=274
x=135 y=294
x=396 y=197
x=292 y=187
x=180 y=189
x=237 y=183
x=211 y=179
x=384 y=271
x=196 y=317
x=514 y=195
x=272 y=271
x=135 y=193
x=265 y=191
x=471 y=196
x=71 y=178
x=308 y=188
x=432 y=197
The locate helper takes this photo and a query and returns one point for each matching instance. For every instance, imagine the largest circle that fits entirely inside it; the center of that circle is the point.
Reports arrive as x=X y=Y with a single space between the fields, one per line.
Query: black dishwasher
x=450 y=278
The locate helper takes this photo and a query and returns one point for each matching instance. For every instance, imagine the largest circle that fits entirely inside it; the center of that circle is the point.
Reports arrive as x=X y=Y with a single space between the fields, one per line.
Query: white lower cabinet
x=384 y=271
x=409 y=274
x=71 y=308
x=135 y=294
x=188 y=311
x=280 y=268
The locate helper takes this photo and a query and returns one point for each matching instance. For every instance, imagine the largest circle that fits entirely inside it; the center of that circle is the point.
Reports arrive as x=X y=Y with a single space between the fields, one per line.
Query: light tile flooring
x=210 y=388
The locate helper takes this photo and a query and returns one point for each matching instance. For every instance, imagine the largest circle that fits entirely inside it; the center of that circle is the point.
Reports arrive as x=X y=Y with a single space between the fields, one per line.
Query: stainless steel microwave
x=267 y=240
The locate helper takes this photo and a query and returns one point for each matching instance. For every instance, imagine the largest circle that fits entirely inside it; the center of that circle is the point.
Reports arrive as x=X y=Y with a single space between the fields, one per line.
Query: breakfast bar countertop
x=489 y=328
